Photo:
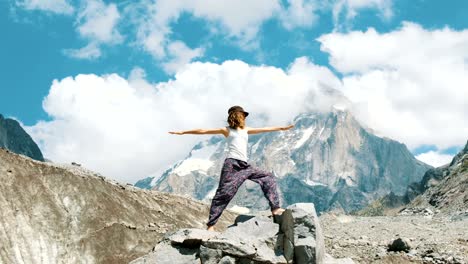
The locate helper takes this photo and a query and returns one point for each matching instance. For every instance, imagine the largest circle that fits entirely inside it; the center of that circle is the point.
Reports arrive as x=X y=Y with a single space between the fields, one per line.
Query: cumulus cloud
x=54 y=6
x=119 y=126
x=180 y=55
x=435 y=158
x=238 y=20
x=345 y=11
x=91 y=51
x=408 y=84
x=299 y=13
x=97 y=22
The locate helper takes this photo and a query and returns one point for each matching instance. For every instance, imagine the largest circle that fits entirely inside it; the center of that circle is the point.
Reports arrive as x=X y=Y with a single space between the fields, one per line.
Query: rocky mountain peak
x=14 y=138
x=328 y=158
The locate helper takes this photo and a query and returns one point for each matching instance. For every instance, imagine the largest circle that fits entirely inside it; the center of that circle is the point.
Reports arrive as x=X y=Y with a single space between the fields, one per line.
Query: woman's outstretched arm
x=253 y=130
x=201 y=131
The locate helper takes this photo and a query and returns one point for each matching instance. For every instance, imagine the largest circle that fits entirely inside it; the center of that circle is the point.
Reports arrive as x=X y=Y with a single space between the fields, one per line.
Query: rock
x=15 y=139
x=256 y=239
x=295 y=238
x=309 y=245
x=165 y=253
x=227 y=260
x=400 y=244
x=210 y=256
x=190 y=237
x=59 y=213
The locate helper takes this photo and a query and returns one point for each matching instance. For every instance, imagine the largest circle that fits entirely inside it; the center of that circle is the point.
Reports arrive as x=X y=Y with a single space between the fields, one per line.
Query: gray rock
x=309 y=244
x=165 y=253
x=305 y=251
x=297 y=238
x=286 y=222
x=227 y=260
x=210 y=256
x=400 y=244
x=255 y=239
x=190 y=237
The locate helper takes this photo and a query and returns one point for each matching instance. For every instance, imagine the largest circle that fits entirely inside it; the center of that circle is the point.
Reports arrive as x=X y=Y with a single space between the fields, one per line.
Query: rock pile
x=417 y=211
x=293 y=237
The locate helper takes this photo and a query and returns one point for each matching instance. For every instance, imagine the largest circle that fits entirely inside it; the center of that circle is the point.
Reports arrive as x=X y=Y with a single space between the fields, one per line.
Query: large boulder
x=303 y=234
x=293 y=237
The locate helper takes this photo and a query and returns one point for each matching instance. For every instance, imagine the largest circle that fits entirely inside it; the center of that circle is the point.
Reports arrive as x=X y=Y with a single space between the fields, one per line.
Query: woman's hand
x=287 y=127
x=176 y=132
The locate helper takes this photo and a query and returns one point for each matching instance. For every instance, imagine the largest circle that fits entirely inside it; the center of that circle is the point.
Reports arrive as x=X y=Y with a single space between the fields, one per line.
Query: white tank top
x=237 y=144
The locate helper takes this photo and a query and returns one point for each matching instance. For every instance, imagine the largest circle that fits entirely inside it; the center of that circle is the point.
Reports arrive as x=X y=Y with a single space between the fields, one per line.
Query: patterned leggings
x=233 y=174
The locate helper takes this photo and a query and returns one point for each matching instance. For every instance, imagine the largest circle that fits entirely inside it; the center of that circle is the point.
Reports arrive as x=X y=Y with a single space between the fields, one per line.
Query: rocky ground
x=432 y=239
x=56 y=213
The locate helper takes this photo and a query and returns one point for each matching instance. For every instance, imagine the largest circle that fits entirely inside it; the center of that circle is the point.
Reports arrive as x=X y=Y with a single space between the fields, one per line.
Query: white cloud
x=180 y=55
x=91 y=51
x=55 y=6
x=97 y=22
x=238 y=20
x=299 y=13
x=120 y=127
x=346 y=10
x=434 y=158
x=409 y=84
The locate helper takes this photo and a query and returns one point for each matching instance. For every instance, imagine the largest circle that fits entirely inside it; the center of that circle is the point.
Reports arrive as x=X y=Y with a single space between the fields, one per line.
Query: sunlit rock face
x=444 y=189
x=53 y=213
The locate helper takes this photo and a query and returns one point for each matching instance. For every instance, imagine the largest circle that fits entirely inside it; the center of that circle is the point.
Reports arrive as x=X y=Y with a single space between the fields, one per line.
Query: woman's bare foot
x=210 y=228
x=277 y=211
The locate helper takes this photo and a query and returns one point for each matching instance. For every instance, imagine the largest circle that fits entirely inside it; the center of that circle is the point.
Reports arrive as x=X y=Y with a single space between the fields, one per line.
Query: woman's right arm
x=200 y=131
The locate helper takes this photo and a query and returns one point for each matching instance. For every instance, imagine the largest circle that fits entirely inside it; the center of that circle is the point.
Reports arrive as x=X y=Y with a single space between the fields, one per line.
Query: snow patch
x=340 y=107
x=198 y=160
x=321 y=131
x=306 y=135
x=313 y=183
x=255 y=146
x=190 y=165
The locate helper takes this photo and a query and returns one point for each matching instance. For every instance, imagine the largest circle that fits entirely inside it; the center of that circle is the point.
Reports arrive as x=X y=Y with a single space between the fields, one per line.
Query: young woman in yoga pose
x=236 y=169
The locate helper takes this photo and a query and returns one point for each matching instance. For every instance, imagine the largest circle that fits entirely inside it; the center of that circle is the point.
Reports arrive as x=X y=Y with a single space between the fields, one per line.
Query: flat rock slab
x=165 y=253
x=190 y=237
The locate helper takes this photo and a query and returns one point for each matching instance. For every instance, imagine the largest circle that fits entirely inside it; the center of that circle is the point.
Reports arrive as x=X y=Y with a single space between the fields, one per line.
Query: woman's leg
x=232 y=177
x=267 y=182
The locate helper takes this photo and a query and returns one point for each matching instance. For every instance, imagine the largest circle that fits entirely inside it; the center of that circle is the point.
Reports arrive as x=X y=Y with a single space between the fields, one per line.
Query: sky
x=102 y=82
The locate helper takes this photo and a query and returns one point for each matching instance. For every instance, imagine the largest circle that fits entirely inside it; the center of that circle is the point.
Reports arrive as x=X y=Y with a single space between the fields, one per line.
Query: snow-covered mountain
x=327 y=158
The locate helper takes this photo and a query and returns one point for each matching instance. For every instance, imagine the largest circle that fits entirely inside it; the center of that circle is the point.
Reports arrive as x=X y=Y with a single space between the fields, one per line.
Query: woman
x=235 y=168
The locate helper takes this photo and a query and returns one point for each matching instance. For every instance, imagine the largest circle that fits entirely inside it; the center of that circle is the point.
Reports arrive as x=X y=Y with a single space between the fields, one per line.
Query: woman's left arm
x=252 y=130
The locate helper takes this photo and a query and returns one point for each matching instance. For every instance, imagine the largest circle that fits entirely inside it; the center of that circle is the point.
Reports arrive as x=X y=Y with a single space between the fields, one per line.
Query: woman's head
x=236 y=117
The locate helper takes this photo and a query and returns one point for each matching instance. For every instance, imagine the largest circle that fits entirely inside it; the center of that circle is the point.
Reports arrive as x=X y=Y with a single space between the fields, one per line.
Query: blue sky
x=147 y=43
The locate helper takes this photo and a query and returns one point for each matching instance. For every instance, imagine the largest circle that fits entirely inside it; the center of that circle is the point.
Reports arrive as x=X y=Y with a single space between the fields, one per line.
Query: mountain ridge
x=14 y=138
x=323 y=149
